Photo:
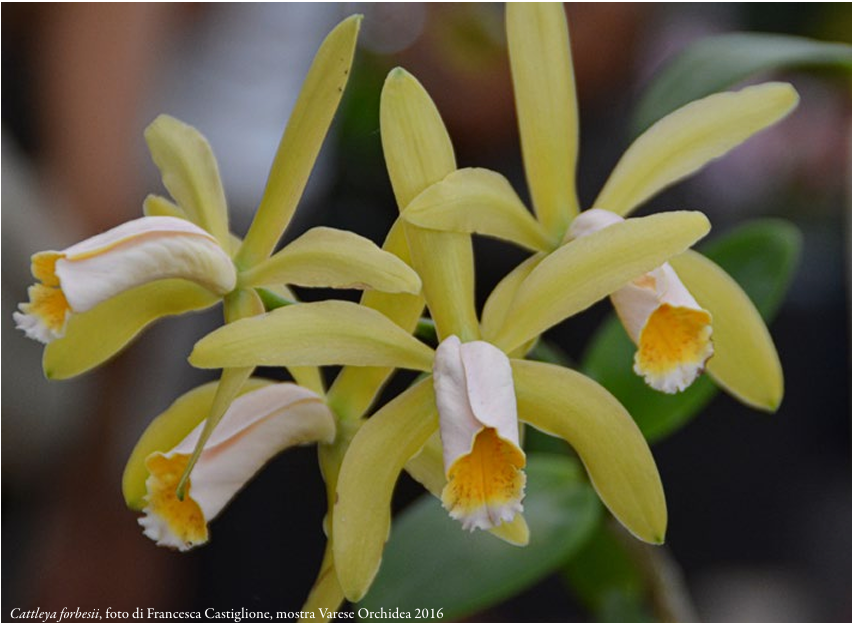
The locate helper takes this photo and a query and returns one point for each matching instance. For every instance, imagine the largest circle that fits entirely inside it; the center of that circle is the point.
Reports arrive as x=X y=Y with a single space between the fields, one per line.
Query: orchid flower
x=264 y=420
x=96 y=296
x=181 y=257
x=477 y=393
x=708 y=302
x=93 y=271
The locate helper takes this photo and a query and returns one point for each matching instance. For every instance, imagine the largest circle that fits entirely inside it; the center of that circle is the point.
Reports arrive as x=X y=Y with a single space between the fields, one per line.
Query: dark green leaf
x=717 y=63
x=606 y=579
x=431 y=562
x=762 y=257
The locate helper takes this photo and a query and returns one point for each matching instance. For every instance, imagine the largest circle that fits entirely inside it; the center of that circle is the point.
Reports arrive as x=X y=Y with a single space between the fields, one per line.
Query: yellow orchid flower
x=88 y=273
x=744 y=360
x=181 y=257
x=266 y=419
x=475 y=385
x=154 y=265
x=672 y=331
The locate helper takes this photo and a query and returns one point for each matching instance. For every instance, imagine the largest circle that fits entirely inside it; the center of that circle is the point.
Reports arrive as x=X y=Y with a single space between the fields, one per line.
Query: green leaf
x=762 y=257
x=606 y=579
x=430 y=562
x=716 y=63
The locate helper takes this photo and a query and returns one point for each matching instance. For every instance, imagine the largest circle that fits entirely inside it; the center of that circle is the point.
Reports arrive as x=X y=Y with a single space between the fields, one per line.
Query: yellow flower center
x=49 y=305
x=44 y=267
x=673 y=347
x=486 y=484
x=184 y=518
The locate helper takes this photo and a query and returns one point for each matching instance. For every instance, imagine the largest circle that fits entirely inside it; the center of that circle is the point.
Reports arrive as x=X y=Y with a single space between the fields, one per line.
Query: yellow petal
x=301 y=142
x=96 y=335
x=355 y=388
x=567 y=404
x=444 y=262
x=190 y=173
x=313 y=334
x=478 y=201
x=370 y=470
x=745 y=362
x=543 y=78
x=585 y=270
x=684 y=141
x=326 y=596
x=496 y=310
x=166 y=430
x=427 y=468
x=308 y=376
x=418 y=152
x=324 y=257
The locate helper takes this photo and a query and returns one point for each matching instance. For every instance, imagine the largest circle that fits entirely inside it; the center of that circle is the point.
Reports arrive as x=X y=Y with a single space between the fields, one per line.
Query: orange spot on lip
x=44 y=267
x=489 y=477
x=184 y=518
x=50 y=306
x=674 y=341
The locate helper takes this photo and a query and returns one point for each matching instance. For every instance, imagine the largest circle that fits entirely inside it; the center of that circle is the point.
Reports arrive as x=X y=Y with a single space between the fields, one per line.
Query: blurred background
x=760 y=506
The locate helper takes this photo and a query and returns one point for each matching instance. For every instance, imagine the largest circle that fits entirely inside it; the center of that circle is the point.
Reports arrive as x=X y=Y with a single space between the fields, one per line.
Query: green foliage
x=717 y=63
x=430 y=562
x=762 y=257
x=606 y=579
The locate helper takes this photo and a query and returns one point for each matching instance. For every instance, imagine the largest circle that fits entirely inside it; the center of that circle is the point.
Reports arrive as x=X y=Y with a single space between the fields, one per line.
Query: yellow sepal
x=370 y=470
x=324 y=257
x=745 y=362
x=587 y=269
x=546 y=101
x=155 y=205
x=418 y=152
x=684 y=141
x=497 y=305
x=478 y=201
x=301 y=142
x=355 y=388
x=94 y=336
x=313 y=334
x=190 y=173
x=569 y=405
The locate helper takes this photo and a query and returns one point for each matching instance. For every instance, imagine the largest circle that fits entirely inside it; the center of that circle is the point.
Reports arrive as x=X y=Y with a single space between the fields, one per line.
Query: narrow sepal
x=585 y=270
x=745 y=362
x=692 y=136
x=546 y=101
x=324 y=257
x=306 y=130
x=569 y=405
x=313 y=334
x=370 y=470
